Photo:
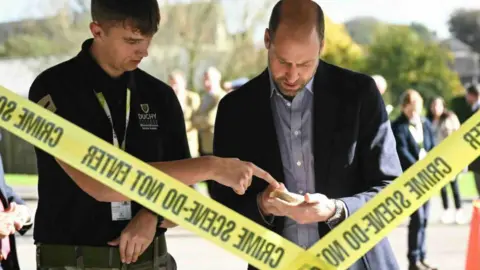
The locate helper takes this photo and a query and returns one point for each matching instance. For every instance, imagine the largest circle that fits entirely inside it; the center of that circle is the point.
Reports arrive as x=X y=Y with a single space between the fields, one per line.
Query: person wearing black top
x=80 y=223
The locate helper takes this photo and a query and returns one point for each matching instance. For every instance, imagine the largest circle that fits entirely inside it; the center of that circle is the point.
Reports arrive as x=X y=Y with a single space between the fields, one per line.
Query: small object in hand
x=287 y=196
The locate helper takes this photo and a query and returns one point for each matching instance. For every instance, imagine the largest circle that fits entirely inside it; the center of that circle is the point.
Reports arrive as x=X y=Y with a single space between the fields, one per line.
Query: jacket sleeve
x=227 y=138
x=379 y=162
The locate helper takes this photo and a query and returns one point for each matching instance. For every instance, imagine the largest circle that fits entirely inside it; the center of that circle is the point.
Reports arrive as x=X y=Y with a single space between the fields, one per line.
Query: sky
x=433 y=13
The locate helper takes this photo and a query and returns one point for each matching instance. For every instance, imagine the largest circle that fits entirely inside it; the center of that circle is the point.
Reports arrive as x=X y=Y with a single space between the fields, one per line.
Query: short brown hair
x=409 y=96
x=278 y=16
x=143 y=15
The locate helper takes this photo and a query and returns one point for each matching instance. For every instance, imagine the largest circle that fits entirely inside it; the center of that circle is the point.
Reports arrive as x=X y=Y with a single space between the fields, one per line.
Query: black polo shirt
x=65 y=213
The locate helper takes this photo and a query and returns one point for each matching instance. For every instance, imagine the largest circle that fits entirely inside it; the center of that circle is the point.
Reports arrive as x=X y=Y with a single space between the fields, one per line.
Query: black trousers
x=456 y=195
x=475 y=168
x=417 y=230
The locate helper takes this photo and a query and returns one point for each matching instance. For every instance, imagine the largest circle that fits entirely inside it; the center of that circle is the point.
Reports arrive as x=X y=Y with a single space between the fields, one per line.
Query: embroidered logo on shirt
x=47 y=103
x=148 y=121
x=145 y=108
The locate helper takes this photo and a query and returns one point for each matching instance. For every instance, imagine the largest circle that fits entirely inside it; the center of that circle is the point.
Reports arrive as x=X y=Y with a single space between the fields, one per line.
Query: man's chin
x=289 y=92
x=131 y=67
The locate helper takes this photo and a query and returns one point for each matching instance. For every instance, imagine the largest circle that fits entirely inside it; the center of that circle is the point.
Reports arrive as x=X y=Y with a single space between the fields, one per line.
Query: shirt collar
x=99 y=77
x=273 y=85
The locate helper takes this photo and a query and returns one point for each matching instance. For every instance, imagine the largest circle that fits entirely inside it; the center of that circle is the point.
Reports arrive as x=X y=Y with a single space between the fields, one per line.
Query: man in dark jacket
x=321 y=130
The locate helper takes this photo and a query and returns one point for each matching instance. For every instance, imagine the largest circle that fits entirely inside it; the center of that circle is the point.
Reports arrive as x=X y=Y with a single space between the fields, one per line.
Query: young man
x=81 y=223
x=321 y=130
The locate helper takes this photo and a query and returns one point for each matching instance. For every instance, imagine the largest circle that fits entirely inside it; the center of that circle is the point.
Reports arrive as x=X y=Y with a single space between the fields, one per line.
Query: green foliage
x=52 y=36
x=362 y=29
x=465 y=25
x=339 y=48
x=423 y=31
x=26 y=45
x=407 y=61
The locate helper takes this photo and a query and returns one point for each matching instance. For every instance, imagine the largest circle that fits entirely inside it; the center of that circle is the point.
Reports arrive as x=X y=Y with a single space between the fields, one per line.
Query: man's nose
x=142 y=52
x=292 y=74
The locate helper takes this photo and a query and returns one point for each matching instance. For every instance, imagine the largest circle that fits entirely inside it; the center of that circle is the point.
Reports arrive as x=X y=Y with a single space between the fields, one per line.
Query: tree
x=362 y=29
x=423 y=31
x=340 y=49
x=407 y=61
x=465 y=25
x=56 y=35
x=194 y=35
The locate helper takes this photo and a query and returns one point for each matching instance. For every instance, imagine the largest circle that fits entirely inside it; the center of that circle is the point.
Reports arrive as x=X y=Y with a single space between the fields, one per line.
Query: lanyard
x=103 y=102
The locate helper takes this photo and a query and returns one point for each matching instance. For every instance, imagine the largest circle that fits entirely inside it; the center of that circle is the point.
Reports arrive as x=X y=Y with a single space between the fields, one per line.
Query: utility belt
x=51 y=256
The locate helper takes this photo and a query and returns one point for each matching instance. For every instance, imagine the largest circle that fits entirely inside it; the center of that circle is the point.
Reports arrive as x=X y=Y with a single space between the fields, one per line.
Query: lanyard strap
x=103 y=103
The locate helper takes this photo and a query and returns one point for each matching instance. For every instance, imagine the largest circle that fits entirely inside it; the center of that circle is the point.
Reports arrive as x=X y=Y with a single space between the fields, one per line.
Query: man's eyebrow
x=306 y=62
x=302 y=63
x=280 y=58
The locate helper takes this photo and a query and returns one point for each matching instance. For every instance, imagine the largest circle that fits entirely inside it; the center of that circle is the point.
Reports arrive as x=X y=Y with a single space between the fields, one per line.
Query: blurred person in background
x=190 y=102
x=414 y=137
x=14 y=217
x=203 y=119
x=382 y=87
x=320 y=129
x=464 y=107
x=234 y=84
x=444 y=123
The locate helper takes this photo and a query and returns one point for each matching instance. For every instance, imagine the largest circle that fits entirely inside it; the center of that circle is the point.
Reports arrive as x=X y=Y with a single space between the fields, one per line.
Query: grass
x=21 y=179
x=466 y=183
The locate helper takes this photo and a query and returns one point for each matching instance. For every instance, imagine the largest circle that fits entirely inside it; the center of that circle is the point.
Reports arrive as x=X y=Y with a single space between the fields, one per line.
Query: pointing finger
x=265 y=176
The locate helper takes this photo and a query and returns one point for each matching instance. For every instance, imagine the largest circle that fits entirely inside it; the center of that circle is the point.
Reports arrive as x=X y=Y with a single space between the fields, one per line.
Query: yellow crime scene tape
x=257 y=245
x=351 y=239
x=146 y=185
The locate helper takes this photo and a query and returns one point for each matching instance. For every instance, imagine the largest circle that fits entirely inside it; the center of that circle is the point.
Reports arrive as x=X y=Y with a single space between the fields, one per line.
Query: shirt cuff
x=267 y=219
x=342 y=217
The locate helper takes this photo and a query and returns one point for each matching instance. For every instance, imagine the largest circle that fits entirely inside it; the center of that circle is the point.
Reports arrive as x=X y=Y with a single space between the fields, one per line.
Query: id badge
x=121 y=211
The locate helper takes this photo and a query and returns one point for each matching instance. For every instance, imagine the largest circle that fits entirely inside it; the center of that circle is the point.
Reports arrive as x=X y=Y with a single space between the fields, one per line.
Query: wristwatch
x=338 y=211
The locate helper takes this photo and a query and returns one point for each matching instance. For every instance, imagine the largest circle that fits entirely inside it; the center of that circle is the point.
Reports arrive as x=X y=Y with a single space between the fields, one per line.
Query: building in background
x=466 y=61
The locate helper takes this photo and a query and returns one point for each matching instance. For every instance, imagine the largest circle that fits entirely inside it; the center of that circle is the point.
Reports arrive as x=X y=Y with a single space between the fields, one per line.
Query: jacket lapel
x=324 y=120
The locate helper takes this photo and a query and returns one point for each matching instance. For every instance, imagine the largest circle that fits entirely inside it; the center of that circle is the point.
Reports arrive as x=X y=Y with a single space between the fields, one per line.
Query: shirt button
x=299 y=163
x=289 y=104
x=304 y=246
x=300 y=191
x=296 y=132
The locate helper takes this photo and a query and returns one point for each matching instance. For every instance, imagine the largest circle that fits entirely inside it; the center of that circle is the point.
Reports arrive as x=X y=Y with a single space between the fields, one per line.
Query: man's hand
x=21 y=215
x=266 y=201
x=7 y=220
x=137 y=236
x=315 y=208
x=238 y=174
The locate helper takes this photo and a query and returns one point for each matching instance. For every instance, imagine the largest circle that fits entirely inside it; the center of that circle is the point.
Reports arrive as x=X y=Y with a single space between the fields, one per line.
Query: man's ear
x=322 y=46
x=267 y=39
x=96 y=30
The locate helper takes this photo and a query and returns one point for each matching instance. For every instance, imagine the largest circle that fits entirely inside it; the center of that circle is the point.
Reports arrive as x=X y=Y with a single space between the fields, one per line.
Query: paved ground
x=446 y=245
